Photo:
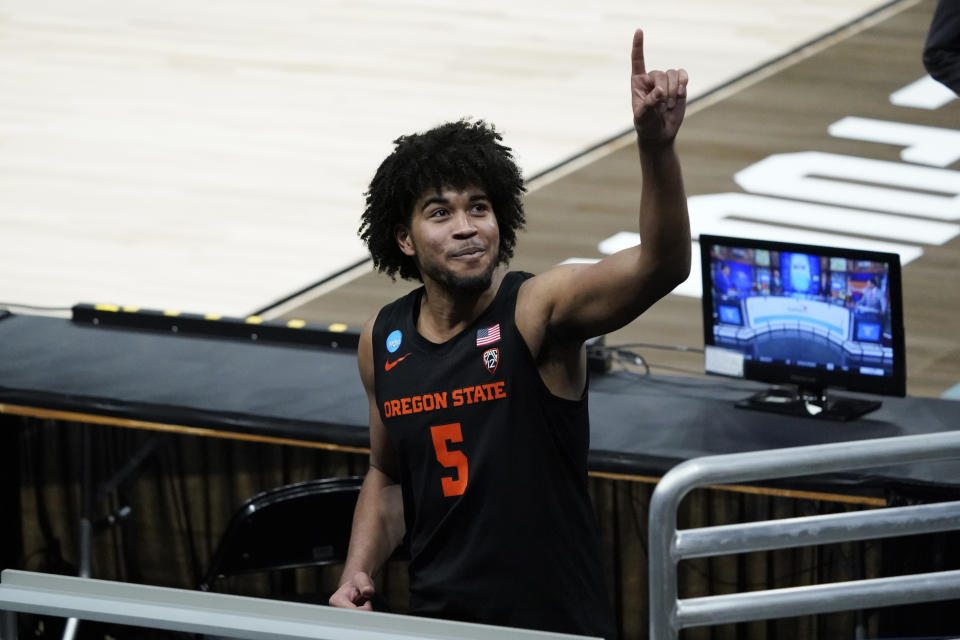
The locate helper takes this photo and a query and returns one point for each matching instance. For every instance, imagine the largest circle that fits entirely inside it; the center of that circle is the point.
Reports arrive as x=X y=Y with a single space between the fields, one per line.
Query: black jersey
x=493 y=469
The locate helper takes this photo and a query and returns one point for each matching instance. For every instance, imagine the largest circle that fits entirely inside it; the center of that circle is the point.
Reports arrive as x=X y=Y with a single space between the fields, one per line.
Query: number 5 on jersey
x=442 y=434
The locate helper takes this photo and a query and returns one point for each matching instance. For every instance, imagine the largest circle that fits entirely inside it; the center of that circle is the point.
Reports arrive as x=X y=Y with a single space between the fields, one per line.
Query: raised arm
x=378 y=525
x=575 y=302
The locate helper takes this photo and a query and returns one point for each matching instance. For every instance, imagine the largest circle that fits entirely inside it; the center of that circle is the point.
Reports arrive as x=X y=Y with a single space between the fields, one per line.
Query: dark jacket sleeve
x=941 y=53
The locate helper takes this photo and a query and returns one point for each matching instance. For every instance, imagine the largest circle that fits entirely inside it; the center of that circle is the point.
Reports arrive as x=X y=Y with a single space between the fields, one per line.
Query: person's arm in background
x=941 y=53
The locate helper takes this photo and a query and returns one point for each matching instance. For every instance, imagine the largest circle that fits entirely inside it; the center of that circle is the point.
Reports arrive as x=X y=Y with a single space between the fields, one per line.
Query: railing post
x=663 y=573
x=8 y=625
x=668 y=614
x=664 y=503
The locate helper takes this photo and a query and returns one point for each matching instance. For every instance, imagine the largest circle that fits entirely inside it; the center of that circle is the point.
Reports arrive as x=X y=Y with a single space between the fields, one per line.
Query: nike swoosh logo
x=387 y=365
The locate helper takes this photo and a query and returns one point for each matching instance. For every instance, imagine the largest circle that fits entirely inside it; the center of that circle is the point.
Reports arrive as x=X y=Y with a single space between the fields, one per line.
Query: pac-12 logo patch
x=394 y=340
x=491 y=358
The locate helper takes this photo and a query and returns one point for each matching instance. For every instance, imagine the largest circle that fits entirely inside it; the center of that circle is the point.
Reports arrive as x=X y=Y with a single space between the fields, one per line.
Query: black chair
x=297 y=525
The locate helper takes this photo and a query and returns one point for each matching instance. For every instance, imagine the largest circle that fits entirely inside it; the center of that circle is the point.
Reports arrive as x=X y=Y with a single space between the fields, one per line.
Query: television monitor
x=806 y=319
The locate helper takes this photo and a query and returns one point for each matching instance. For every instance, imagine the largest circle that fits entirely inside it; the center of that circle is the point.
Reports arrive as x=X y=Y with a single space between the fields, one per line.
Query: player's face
x=454 y=238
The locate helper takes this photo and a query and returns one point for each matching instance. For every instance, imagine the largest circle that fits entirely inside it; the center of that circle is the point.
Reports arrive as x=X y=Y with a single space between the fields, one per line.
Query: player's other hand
x=355 y=593
x=659 y=99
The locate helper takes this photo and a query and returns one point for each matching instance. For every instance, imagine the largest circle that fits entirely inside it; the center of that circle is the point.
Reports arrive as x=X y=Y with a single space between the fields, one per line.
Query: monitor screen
x=807 y=315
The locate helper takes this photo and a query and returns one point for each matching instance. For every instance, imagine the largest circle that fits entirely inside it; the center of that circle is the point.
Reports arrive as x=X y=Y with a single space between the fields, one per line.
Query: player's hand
x=355 y=593
x=659 y=99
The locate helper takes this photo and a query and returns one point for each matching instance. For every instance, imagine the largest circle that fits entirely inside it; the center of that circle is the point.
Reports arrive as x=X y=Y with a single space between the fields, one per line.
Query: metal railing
x=669 y=614
x=224 y=615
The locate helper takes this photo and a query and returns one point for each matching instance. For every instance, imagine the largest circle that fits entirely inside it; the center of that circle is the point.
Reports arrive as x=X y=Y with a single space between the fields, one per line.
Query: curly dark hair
x=453 y=155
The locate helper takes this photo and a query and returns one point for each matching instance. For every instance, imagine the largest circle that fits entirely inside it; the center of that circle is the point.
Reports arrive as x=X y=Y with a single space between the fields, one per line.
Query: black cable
x=650 y=345
x=747 y=387
x=622 y=355
x=693 y=391
x=677 y=369
x=750 y=386
x=631 y=357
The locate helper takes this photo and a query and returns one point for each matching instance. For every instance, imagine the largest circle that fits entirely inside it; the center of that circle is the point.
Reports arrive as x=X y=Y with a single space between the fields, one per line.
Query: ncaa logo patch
x=394 y=340
x=491 y=358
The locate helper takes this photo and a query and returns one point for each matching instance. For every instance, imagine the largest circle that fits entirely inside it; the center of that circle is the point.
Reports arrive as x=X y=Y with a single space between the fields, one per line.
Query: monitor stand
x=805 y=403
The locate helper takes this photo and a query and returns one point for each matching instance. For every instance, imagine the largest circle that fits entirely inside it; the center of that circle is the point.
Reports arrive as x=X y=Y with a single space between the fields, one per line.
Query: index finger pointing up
x=636 y=55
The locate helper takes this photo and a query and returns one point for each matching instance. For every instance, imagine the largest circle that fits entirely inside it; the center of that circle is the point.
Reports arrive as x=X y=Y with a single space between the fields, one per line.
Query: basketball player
x=477 y=381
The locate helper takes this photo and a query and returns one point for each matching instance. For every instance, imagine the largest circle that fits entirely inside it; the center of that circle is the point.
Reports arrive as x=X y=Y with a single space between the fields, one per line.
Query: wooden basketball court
x=789 y=106
x=213 y=160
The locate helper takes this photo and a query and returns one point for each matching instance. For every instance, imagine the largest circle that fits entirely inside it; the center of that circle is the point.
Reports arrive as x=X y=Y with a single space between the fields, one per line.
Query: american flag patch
x=488 y=335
